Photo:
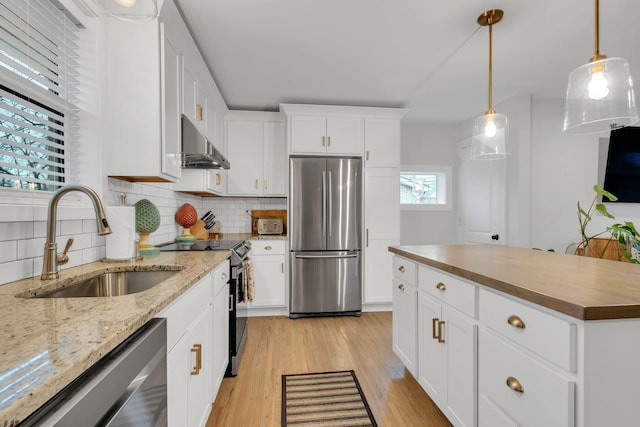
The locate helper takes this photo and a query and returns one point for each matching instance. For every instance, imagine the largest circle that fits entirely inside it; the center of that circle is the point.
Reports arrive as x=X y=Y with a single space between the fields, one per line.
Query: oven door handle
x=243 y=268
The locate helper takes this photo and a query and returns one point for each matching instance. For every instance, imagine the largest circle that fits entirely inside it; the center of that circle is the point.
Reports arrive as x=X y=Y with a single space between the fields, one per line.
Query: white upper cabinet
x=257 y=153
x=330 y=135
x=154 y=74
x=381 y=142
x=342 y=130
x=142 y=104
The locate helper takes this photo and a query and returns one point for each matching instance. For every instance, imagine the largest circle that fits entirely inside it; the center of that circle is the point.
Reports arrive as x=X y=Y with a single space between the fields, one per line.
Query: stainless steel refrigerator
x=325 y=232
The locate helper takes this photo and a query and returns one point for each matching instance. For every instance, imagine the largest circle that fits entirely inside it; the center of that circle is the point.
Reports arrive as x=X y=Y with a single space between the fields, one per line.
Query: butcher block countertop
x=47 y=342
x=581 y=287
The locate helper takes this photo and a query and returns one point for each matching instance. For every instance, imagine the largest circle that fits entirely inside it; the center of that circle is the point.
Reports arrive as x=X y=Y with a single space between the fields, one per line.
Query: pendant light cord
x=596 y=50
x=490 y=111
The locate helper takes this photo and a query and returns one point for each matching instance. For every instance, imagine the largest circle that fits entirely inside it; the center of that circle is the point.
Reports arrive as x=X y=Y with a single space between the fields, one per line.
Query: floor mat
x=324 y=399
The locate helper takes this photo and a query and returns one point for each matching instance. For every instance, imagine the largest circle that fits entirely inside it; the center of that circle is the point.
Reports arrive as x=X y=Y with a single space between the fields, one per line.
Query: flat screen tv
x=622 y=175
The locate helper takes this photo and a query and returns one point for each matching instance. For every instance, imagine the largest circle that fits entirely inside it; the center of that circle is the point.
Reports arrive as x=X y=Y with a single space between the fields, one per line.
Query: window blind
x=38 y=89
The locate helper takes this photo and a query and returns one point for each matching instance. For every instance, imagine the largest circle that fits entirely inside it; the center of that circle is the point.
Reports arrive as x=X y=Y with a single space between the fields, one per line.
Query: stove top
x=201 y=245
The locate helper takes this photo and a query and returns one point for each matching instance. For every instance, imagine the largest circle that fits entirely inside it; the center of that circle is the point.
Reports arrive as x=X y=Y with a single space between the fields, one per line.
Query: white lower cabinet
x=268 y=257
x=197 y=348
x=519 y=389
x=405 y=313
x=220 y=327
x=188 y=356
x=447 y=359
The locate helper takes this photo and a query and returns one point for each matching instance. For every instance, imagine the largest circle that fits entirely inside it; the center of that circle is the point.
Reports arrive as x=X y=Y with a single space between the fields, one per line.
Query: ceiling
x=430 y=57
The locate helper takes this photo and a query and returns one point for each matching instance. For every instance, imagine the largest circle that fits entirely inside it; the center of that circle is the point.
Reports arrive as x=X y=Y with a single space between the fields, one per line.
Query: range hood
x=197 y=151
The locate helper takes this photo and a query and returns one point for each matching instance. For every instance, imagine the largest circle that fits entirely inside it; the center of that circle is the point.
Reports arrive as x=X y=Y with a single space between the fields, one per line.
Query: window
x=37 y=96
x=425 y=187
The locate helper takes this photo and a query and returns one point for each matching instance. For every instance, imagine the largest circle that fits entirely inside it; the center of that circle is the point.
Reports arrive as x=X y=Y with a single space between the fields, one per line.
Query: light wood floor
x=279 y=345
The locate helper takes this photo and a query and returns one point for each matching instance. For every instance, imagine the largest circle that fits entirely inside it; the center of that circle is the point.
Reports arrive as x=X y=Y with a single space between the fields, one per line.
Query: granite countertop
x=48 y=342
x=581 y=287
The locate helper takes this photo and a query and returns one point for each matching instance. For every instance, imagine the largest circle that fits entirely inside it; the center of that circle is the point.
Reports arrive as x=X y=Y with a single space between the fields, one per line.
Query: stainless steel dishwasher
x=127 y=387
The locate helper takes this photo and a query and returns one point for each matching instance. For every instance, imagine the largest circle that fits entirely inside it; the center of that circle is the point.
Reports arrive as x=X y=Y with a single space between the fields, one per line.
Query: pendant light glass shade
x=490 y=136
x=600 y=97
x=490 y=131
x=131 y=10
x=600 y=93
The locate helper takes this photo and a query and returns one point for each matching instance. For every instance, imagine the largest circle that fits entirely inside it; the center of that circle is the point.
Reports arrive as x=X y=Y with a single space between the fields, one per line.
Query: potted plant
x=626 y=233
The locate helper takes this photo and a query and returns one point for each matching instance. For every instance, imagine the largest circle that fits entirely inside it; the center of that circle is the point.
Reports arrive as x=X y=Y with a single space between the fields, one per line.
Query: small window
x=425 y=187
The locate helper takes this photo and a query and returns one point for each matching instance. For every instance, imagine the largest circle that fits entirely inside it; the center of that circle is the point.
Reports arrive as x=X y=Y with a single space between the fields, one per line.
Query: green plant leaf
x=601 y=191
x=603 y=210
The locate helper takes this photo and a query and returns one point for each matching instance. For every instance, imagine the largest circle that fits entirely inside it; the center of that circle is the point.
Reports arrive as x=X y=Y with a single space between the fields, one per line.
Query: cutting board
x=274 y=213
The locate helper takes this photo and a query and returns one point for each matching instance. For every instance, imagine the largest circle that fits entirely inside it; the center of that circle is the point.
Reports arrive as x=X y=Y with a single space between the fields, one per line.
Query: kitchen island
x=48 y=342
x=511 y=336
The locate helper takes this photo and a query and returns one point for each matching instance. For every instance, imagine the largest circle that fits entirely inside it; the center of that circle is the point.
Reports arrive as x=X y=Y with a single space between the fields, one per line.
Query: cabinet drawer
x=449 y=289
x=404 y=269
x=268 y=247
x=183 y=311
x=547 y=398
x=550 y=337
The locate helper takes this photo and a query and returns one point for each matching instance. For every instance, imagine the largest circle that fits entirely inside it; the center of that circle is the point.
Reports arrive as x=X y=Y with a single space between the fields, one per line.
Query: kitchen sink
x=112 y=284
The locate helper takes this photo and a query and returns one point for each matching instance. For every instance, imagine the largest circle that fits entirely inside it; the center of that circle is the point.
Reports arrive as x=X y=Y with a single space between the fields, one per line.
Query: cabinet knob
x=401 y=269
x=223 y=276
x=401 y=287
x=516 y=322
x=267 y=248
x=441 y=286
x=515 y=385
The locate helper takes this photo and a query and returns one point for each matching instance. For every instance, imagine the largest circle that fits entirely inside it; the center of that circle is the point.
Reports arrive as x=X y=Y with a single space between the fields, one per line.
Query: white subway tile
x=8 y=251
x=70 y=227
x=16 y=230
x=30 y=248
x=16 y=270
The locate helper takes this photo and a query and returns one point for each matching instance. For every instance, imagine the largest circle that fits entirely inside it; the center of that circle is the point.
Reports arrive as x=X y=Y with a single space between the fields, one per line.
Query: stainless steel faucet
x=51 y=258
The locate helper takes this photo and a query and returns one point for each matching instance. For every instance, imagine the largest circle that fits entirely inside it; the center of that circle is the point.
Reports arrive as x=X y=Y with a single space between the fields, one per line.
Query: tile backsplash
x=23 y=229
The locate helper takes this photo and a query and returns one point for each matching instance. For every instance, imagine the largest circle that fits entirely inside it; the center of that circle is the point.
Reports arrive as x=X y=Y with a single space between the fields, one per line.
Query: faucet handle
x=63 y=258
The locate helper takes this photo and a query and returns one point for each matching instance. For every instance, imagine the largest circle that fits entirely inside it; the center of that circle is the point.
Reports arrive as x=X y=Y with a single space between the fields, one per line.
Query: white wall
x=430 y=144
x=564 y=171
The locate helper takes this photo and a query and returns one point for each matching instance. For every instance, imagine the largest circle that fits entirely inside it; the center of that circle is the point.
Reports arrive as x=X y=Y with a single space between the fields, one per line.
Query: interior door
x=482 y=200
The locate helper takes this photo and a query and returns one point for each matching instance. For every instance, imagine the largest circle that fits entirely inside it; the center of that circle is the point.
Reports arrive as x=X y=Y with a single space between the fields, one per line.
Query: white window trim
x=425 y=169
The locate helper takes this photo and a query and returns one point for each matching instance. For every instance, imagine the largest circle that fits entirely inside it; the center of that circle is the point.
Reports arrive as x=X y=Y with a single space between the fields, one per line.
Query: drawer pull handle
x=267 y=248
x=401 y=287
x=434 y=325
x=401 y=269
x=440 y=325
x=197 y=349
x=441 y=286
x=516 y=322
x=515 y=385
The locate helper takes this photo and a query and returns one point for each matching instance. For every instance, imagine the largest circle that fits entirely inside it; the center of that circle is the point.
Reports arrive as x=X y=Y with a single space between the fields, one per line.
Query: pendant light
x=600 y=93
x=490 y=130
x=131 y=10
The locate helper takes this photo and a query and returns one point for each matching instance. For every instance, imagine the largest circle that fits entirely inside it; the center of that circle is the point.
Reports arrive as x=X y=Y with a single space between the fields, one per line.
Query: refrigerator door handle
x=324 y=203
x=326 y=256
x=330 y=208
